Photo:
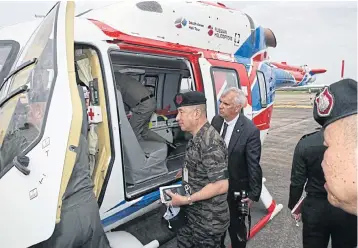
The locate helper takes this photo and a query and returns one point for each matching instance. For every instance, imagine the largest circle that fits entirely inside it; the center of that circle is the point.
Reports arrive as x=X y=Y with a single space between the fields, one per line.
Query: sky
x=320 y=34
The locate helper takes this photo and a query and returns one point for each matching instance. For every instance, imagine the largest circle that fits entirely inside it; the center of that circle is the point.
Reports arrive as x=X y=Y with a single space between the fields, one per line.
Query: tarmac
x=291 y=119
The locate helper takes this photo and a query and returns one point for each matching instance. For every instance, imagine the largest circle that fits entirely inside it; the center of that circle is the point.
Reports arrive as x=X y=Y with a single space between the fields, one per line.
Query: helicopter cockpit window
x=8 y=52
x=4 y=54
x=23 y=115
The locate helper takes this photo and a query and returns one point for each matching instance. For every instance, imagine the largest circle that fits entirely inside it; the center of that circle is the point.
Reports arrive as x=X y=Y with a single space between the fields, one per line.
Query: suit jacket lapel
x=236 y=134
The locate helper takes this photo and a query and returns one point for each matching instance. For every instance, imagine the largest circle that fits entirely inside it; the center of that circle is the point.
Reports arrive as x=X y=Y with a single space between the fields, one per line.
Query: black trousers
x=321 y=221
x=237 y=225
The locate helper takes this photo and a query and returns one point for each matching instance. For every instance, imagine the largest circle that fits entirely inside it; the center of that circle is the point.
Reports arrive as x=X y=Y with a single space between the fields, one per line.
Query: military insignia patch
x=324 y=103
x=179 y=99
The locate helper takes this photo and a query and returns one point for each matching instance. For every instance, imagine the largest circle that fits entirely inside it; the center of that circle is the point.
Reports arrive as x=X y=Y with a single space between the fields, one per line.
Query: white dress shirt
x=230 y=128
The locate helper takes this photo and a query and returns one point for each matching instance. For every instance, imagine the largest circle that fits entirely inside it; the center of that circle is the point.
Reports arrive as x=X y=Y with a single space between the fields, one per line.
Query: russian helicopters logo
x=211 y=31
x=221 y=33
x=180 y=22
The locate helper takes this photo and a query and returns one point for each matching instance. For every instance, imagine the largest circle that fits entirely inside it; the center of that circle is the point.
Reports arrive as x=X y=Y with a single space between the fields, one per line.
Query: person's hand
x=248 y=200
x=177 y=200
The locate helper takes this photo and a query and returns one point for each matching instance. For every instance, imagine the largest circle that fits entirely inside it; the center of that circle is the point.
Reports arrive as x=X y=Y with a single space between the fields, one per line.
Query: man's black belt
x=145 y=98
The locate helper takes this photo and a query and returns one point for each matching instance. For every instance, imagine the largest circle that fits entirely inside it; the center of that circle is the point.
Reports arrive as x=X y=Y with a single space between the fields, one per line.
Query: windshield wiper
x=22 y=66
x=14 y=93
x=85 y=12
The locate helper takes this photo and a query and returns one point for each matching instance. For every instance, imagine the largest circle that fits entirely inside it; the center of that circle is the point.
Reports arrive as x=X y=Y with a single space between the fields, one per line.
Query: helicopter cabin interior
x=146 y=164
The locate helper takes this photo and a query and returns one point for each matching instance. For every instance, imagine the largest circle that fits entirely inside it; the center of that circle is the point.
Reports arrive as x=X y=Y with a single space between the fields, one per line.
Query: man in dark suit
x=242 y=138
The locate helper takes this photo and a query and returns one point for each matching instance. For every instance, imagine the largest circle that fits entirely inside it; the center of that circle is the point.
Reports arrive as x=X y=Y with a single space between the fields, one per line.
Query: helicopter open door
x=39 y=131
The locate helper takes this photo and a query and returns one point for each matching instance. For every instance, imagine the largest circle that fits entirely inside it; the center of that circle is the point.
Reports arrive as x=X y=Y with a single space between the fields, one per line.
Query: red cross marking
x=91 y=114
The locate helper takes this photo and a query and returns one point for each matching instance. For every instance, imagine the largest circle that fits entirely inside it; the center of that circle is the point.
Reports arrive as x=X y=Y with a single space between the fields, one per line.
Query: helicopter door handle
x=21 y=163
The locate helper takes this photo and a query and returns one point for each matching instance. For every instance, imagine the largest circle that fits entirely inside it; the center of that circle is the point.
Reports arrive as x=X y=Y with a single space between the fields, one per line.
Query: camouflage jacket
x=206 y=160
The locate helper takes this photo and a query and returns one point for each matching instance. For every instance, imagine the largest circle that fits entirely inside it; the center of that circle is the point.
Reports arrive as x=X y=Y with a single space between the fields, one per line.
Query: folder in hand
x=296 y=211
x=298 y=207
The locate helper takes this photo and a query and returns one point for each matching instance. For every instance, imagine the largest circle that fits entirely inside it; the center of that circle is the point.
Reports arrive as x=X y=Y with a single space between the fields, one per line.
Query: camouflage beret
x=189 y=99
x=335 y=102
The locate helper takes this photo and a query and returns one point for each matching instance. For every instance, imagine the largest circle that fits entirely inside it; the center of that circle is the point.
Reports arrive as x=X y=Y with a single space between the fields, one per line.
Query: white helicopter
x=171 y=47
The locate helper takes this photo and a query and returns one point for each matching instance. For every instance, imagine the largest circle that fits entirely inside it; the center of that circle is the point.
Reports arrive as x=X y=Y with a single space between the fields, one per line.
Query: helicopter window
x=23 y=115
x=4 y=54
x=150 y=82
x=8 y=52
x=224 y=78
x=170 y=88
x=262 y=87
x=186 y=84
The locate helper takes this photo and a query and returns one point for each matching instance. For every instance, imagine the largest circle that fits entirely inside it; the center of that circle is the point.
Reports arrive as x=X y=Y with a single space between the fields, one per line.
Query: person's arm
x=253 y=155
x=298 y=176
x=215 y=162
x=209 y=191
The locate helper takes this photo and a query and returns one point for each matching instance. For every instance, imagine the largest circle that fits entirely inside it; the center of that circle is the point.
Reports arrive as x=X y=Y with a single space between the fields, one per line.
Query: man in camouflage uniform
x=205 y=172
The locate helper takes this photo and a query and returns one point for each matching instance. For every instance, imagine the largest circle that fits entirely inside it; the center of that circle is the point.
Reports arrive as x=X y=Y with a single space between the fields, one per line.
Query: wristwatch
x=189 y=200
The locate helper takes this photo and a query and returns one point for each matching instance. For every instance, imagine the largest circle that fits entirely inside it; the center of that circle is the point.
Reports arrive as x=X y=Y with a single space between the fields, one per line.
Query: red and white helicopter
x=170 y=47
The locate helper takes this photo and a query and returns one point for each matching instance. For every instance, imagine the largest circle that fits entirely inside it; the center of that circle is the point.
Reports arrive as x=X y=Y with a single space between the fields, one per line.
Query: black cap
x=189 y=99
x=335 y=102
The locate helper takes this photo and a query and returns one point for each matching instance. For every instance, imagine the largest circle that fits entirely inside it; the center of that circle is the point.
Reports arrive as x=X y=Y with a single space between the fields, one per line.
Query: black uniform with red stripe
x=320 y=219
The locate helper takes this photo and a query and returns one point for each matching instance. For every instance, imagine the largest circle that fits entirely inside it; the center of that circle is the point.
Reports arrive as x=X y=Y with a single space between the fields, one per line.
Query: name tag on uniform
x=185 y=174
